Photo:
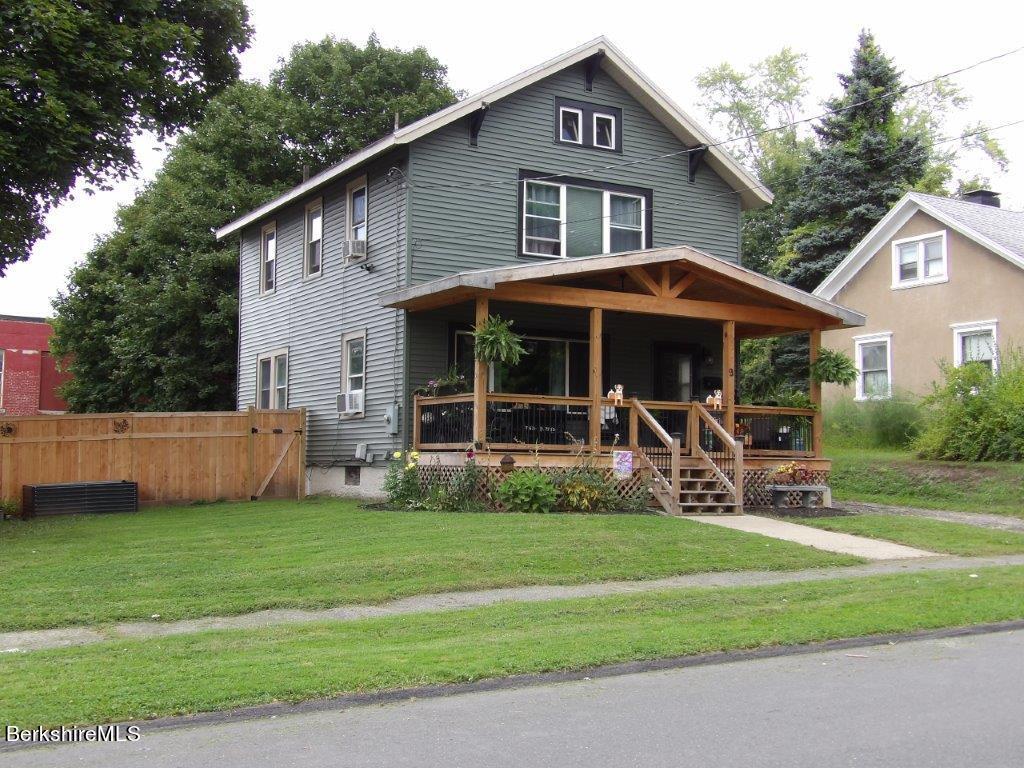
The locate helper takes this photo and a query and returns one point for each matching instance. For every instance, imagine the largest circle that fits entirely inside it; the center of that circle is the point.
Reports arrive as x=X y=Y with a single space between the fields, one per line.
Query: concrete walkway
x=453 y=601
x=977 y=519
x=845 y=543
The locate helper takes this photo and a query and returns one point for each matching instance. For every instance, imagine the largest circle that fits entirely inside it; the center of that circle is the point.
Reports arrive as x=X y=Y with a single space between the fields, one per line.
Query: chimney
x=982 y=197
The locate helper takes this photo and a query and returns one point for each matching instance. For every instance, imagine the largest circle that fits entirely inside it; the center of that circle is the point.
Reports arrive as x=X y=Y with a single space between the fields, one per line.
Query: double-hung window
x=582 y=219
x=919 y=260
x=873 y=357
x=357 y=210
x=268 y=258
x=353 y=372
x=976 y=343
x=272 y=380
x=314 y=238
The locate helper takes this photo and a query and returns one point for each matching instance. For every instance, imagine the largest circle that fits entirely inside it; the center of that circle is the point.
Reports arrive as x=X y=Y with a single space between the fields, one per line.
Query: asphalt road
x=951 y=702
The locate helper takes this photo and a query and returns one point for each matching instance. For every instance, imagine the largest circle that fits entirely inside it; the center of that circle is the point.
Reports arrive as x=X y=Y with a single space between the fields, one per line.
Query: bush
x=586 y=491
x=458 y=493
x=402 y=479
x=975 y=415
x=528 y=491
x=891 y=423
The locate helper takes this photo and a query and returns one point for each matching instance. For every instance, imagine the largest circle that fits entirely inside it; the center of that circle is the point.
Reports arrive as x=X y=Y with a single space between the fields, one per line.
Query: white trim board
x=884 y=230
x=752 y=193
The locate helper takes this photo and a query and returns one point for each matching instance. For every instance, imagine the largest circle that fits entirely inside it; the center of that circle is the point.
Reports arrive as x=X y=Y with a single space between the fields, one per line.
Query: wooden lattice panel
x=756 y=482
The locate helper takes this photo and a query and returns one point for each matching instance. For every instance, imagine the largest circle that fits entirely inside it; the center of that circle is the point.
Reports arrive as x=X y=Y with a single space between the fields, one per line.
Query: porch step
x=707 y=508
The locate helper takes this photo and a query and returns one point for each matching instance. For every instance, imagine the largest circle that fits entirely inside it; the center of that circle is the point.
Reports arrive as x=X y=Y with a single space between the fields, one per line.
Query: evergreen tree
x=862 y=166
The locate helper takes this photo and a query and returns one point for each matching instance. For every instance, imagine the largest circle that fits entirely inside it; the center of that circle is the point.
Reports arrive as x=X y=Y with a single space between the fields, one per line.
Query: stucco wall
x=982 y=286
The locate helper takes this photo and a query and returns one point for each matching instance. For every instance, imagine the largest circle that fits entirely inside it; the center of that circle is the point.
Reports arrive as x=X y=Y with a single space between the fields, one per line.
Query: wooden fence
x=173 y=457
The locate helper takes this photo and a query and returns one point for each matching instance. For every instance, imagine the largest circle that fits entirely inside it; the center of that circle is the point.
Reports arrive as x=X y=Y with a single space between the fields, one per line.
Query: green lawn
x=217 y=670
x=932 y=535
x=898 y=478
x=232 y=558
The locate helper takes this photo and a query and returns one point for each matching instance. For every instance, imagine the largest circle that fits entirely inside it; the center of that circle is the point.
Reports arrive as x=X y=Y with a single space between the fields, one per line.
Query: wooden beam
x=666 y=279
x=817 y=421
x=562 y=296
x=596 y=395
x=644 y=280
x=681 y=285
x=729 y=375
x=480 y=381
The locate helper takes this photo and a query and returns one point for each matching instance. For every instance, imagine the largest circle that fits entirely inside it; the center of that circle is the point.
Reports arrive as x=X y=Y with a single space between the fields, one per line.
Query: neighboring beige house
x=939 y=279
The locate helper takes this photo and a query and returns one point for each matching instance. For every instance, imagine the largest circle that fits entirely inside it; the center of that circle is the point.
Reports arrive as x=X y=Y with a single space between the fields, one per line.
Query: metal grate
x=79 y=498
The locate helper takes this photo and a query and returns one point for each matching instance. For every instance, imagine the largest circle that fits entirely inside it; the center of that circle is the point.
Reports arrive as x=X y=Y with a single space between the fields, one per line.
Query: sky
x=484 y=43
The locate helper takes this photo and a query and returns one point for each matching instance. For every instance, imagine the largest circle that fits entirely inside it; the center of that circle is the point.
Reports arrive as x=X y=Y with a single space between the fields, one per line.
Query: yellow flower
x=396 y=455
x=410 y=465
x=414 y=454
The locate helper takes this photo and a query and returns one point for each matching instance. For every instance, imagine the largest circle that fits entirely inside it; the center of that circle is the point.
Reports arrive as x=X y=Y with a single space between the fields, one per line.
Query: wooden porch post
x=817 y=422
x=729 y=375
x=595 y=379
x=480 y=381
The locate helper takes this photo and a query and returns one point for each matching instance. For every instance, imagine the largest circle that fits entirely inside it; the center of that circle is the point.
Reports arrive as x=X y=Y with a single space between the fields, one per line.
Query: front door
x=673 y=374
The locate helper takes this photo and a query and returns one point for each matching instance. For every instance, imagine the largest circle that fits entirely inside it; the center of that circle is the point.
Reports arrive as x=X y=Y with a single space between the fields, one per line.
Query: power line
x=677 y=153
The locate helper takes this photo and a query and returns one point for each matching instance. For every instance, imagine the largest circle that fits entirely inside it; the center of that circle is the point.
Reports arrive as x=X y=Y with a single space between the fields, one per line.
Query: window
x=272 y=380
x=976 y=343
x=353 y=369
x=268 y=258
x=582 y=219
x=357 y=209
x=604 y=131
x=873 y=357
x=570 y=125
x=314 y=238
x=919 y=260
x=552 y=366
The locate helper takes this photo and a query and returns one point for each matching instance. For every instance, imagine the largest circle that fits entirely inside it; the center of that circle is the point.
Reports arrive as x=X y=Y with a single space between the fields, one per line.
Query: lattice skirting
x=756 y=482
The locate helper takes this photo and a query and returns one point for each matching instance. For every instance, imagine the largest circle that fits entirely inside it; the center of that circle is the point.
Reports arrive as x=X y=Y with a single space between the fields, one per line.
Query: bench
x=780 y=494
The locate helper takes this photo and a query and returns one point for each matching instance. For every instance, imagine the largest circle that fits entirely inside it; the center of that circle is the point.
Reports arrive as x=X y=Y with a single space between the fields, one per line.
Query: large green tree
x=80 y=78
x=149 y=319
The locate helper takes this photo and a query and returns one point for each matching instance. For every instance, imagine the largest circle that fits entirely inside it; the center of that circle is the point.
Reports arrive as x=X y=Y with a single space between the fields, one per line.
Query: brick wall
x=30 y=376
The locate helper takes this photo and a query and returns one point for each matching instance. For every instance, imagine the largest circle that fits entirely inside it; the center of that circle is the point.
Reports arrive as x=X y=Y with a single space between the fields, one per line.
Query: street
x=940 y=702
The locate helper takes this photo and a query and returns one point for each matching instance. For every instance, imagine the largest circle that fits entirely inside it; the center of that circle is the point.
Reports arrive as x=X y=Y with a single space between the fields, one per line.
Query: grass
x=233 y=558
x=899 y=479
x=127 y=679
x=931 y=535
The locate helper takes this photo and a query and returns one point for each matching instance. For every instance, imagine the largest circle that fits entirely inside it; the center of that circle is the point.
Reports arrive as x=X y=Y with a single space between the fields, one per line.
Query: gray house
x=576 y=199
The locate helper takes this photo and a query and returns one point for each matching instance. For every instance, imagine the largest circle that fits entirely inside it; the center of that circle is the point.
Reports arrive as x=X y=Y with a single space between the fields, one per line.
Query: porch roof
x=652 y=281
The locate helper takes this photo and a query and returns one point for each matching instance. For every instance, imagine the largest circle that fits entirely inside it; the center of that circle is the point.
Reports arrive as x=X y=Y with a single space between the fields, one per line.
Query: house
x=939 y=279
x=575 y=199
x=28 y=374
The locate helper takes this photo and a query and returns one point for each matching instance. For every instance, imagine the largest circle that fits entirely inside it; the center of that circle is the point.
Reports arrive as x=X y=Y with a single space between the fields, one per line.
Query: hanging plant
x=834 y=367
x=495 y=342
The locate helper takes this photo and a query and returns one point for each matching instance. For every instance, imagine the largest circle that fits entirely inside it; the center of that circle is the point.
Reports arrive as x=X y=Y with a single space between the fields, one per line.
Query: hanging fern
x=496 y=342
x=833 y=367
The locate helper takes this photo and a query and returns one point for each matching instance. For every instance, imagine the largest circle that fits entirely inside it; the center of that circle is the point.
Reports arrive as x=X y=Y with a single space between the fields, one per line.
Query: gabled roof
x=997 y=229
x=752 y=193
x=736 y=279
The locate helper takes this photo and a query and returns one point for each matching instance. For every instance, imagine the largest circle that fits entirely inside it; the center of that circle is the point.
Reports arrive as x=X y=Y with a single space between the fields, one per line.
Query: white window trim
x=873 y=338
x=312 y=206
x=345 y=339
x=594 y=128
x=271 y=227
x=897 y=284
x=561 y=221
x=962 y=329
x=606 y=212
x=272 y=357
x=579 y=125
x=353 y=187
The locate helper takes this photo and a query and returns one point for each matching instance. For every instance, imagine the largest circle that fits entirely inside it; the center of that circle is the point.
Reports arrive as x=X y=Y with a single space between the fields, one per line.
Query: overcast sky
x=483 y=43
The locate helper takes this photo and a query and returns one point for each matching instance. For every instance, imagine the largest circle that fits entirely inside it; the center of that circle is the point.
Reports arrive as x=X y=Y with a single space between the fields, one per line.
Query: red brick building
x=28 y=374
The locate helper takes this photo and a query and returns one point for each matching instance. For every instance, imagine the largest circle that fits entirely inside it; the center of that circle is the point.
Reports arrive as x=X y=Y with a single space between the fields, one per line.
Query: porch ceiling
x=677 y=282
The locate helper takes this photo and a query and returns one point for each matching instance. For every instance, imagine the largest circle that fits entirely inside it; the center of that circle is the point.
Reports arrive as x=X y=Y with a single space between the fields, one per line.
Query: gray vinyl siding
x=309 y=315
x=458 y=222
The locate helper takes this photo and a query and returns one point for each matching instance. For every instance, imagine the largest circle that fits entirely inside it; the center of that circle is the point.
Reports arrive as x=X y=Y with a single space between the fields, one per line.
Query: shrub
x=891 y=423
x=587 y=491
x=528 y=491
x=402 y=479
x=975 y=415
x=458 y=493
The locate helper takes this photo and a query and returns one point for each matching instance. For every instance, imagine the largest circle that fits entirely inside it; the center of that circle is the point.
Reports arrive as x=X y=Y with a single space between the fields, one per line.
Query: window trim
x=588 y=110
x=311 y=206
x=898 y=284
x=614 y=133
x=269 y=227
x=579 y=125
x=346 y=339
x=963 y=329
x=272 y=356
x=607 y=226
x=354 y=186
x=858 y=343
x=561 y=221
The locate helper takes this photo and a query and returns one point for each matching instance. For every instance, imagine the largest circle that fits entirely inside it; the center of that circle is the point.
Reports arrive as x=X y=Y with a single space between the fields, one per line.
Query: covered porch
x=665 y=324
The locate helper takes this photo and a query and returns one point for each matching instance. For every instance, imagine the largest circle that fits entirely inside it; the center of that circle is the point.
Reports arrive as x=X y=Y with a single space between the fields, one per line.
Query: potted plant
x=451 y=382
x=834 y=367
x=791 y=473
x=495 y=342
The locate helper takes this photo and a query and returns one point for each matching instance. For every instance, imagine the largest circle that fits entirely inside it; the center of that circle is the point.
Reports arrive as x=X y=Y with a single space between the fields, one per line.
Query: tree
x=149 y=320
x=79 y=79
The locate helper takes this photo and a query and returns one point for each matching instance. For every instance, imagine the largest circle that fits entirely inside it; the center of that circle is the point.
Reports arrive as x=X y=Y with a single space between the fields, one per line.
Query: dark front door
x=674 y=374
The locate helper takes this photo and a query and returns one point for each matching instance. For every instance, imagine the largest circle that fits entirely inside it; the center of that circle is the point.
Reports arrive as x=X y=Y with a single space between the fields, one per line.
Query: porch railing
x=772 y=431
x=722 y=451
x=660 y=455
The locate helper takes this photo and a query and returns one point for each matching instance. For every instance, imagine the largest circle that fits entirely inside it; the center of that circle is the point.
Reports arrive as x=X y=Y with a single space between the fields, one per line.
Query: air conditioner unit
x=353 y=250
x=350 y=402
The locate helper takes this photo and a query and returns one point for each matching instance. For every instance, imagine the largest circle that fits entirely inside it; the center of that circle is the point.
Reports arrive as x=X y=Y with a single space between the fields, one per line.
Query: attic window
x=570 y=120
x=591 y=126
x=919 y=260
x=604 y=131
